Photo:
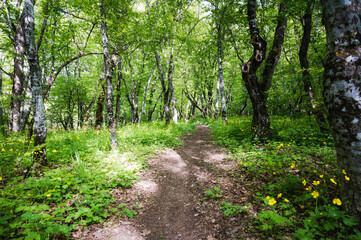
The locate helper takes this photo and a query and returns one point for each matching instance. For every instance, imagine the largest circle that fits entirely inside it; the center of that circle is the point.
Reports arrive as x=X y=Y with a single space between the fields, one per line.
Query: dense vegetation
x=89 y=89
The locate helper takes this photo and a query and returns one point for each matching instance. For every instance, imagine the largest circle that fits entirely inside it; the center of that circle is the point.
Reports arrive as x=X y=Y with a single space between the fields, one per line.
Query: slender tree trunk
x=145 y=96
x=109 y=79
x=118 y=98
x=2 y=122
x=27 y=106
x=220 y=73
x=35 y=76
x=99 y=109
x=342 y=91
x=306 y=75
x=166 y=102
x=19 y=77
x=216 y=110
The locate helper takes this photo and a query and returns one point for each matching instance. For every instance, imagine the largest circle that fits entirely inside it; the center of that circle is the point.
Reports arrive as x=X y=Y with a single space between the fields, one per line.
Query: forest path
x=171 y=196
x=182 y=176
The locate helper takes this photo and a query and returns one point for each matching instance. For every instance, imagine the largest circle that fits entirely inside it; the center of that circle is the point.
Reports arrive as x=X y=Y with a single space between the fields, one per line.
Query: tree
x=342 y=93
x=109 y=80
x=36 y=84
x=257 y=88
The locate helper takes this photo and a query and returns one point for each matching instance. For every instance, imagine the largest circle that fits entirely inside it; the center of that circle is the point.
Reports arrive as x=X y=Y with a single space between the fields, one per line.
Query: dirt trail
x=182 y=176
x=170 y=194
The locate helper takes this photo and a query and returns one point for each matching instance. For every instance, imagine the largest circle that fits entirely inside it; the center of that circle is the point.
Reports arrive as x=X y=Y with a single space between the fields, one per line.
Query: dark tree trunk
x=99 y=110
x=36 y=86
x=166 y=91
x=257 y=89
x=342 y=94
x=109 y=79
x=306 y=75
x=18 y=77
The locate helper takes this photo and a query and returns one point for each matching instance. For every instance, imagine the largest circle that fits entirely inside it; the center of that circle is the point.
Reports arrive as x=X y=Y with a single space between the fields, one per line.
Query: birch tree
x=342 y=94
x=36 y=86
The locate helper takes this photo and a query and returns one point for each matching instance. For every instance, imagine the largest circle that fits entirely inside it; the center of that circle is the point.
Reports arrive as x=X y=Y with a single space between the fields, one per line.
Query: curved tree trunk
x=342 y=94
x=257 y=90
x=306 y=75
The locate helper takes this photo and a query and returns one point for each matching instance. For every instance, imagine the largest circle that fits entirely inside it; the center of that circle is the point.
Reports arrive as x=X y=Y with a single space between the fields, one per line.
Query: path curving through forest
x=171 y=192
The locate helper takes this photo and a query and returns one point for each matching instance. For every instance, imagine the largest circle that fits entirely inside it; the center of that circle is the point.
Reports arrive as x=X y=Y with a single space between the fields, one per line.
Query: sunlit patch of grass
x=76 y=187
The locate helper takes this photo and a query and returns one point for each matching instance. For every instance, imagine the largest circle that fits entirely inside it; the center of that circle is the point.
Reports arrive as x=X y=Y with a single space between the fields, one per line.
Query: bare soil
x=171 y=198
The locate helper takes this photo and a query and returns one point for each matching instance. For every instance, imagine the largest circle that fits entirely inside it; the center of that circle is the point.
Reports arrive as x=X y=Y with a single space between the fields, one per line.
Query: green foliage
x=76 y=188
x=213 y=193
x=292 y=178
x=231 y=210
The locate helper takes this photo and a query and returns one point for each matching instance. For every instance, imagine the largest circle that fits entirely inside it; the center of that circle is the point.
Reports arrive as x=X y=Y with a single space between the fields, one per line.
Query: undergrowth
x=75 y=189
x=292 y=179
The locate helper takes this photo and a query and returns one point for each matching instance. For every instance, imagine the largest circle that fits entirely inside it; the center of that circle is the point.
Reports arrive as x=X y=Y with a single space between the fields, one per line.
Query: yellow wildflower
x=11 y=150
x=48 y=195
x=316 y=183
x=293 y=165
x=304 y=182
x=3 y=150
x=286 y=200
x=54 y=151
x=309 y=188
x=1 y=178
x=40 y=151
x=15 y=169
x=302 y=206
x=333 y=180
x=337 y=201
x=315 y=194
x=321 y=176
x=272 y=201
x=279 y=195
x=26 y=153
x=343 y=171
x=347 y=178
x=268 y=197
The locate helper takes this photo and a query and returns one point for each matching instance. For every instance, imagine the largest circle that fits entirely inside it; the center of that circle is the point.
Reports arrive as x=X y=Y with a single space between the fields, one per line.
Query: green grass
x=76 y=188
x=292 y=179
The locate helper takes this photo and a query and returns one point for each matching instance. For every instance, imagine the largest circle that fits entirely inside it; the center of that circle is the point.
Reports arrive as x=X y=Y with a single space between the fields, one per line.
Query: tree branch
x=52 y=79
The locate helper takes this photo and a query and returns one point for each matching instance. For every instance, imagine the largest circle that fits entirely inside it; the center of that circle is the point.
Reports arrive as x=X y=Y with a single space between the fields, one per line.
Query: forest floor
x=171 y=197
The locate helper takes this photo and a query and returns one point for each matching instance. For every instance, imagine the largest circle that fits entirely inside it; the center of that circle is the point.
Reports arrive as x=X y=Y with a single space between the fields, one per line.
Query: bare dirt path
x=171 y=195
x=183 y=175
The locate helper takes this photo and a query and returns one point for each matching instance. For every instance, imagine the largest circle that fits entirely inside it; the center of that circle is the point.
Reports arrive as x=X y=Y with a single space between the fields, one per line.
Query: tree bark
x=109 y=79
x=118 y=98
x=2 y=122
x=220 y=72
x=257 y=89
x=145 y=96
x=27 y=106
x=99 y=110
x=18 y=76
x=165 y=90
x=342 y=94
x=36 y=87
x=306 y=75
